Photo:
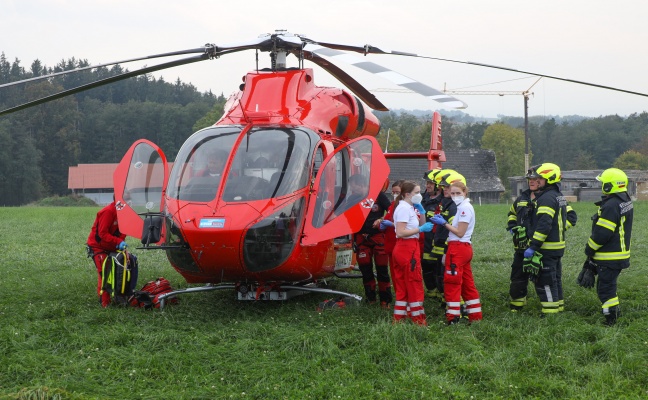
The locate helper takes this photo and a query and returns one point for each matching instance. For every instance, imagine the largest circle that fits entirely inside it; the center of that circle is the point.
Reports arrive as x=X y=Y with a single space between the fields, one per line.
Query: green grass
x=57 y=343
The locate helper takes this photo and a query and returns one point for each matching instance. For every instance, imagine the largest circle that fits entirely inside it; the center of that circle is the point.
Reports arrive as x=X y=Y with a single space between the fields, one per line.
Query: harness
x=108 y=275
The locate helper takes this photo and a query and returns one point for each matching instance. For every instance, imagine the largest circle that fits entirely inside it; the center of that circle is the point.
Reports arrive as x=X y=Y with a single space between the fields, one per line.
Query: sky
x=595 y=41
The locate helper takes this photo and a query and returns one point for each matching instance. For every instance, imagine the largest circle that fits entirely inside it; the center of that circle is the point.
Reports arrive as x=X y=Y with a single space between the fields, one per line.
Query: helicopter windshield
x=269 y=162
x=200 y=165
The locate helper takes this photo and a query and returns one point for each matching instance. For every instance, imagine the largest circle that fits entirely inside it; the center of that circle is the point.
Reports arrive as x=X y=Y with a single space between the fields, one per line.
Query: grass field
x=56 y=341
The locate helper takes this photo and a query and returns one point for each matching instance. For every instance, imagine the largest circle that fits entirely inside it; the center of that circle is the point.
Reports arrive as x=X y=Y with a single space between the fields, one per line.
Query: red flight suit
x=104 y=239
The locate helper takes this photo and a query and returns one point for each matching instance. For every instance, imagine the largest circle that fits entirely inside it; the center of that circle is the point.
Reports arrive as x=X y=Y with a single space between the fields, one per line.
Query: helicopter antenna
x=387 y=143
x=243 y=111
x=257 y=60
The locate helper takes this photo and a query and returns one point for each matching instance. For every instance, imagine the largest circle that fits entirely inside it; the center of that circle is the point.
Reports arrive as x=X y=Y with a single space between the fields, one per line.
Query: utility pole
x=525 y=94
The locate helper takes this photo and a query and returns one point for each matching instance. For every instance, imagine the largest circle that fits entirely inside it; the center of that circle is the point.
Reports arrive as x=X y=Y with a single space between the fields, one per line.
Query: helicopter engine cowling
x=328 y=111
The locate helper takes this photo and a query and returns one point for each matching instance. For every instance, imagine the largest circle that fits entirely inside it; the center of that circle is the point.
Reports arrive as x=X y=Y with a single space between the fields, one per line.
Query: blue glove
x=511 y=232
x=122 y=246
x=384 y=224
x=528 y=253
x=426 y=227
x=439 y=220
x=420 y=208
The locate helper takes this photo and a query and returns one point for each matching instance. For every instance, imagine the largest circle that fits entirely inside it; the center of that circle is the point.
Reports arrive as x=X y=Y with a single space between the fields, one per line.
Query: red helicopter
x=261 y=202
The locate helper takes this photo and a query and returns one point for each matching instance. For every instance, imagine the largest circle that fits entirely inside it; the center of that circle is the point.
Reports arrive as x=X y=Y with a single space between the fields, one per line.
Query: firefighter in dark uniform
x=447 y=209
x=538 y=220
x=430 y=203
x=369 y=245
x=608 y=246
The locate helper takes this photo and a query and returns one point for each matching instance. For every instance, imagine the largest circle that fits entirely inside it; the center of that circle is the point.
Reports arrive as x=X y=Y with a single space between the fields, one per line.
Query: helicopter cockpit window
x=344 y=183
x=200 y=165
x=143 y=187
x=270 y=162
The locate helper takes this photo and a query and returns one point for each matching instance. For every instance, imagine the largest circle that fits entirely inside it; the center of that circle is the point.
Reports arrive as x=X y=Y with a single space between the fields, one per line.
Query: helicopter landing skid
x=256 y=292
x=285 y=292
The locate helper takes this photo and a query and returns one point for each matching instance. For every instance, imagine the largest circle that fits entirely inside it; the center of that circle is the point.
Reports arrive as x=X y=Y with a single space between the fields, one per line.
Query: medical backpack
x=149 y=295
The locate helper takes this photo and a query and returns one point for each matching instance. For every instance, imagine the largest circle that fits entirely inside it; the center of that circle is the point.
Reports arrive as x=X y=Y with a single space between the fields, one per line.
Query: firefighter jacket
x=549 y=221
x=520 y=215
x=609 y=244
x=378 y=209
x=430 y=204
x=447 y=209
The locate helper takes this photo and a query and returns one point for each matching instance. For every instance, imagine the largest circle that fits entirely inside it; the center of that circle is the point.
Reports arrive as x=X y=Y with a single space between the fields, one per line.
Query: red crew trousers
x=408 y=281
x=459 y=282
x=105 y=296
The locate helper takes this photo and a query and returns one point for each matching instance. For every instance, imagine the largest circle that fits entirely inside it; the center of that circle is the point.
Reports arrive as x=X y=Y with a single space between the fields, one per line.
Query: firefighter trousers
x=606 y=289
x=548 y=287
x=518 y=288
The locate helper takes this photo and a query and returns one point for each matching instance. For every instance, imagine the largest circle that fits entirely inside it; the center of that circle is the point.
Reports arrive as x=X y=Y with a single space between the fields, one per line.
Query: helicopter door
x=140 y=181
x=345 y=189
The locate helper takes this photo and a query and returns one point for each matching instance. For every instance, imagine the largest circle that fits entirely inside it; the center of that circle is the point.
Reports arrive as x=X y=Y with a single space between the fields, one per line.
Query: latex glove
x=426 y=227
x=385 y=224
x=528 y=253
x=122 y=246
x=420 y=208
x=439 y=220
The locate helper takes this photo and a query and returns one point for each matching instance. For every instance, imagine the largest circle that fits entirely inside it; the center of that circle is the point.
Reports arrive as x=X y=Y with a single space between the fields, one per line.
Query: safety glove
x=532 y=265
x=587 y=276
x=122 y=246
x=520 y=239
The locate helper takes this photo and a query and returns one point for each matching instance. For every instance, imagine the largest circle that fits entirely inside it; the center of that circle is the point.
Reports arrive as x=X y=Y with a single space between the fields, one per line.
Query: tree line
x=94 y=126
x=574 y=144
x=39 y=144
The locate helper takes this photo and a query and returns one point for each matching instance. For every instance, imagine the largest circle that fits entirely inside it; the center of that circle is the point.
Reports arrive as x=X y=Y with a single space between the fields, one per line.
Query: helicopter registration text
x=343 y=259
x=212 y=223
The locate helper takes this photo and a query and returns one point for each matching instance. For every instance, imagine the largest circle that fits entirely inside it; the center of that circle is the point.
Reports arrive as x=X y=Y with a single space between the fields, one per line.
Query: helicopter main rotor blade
x=174 y=53
x=393 y=76
x=368 y=49
x=106 y=81
x=353 y=85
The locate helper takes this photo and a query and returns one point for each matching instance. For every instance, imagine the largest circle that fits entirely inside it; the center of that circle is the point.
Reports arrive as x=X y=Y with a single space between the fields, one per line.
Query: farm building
x=580 y=185
x=477 y=166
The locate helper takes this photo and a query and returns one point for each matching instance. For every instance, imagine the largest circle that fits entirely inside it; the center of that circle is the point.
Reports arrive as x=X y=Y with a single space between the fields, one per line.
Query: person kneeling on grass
x=104 y=239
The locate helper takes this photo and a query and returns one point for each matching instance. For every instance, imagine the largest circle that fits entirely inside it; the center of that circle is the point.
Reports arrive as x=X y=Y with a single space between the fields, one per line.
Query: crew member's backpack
x=117 y=274
x=149 y=295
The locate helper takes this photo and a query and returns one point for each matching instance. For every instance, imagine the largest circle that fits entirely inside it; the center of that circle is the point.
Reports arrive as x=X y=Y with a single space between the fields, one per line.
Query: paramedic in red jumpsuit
x=458 y=278
x=409 y=220
x=387 y=225
x=105 y=238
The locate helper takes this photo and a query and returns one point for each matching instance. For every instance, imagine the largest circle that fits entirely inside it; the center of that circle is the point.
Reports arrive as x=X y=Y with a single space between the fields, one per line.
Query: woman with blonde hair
x=458 y=278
